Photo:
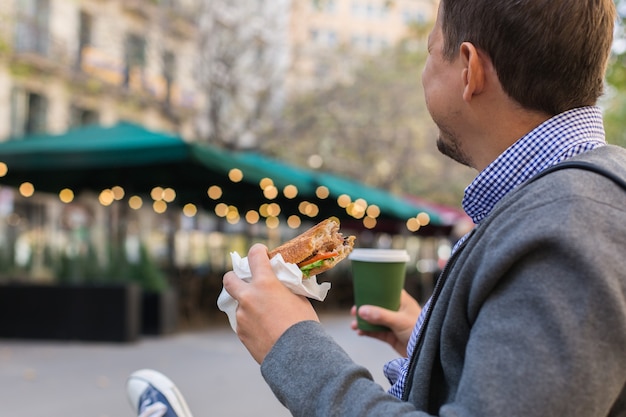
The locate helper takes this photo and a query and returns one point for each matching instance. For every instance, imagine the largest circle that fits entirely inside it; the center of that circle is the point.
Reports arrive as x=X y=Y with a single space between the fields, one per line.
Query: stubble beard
x=451 y=149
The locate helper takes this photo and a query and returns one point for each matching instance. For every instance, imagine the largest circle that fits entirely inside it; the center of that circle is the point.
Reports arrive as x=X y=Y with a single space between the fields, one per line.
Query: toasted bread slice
x=321 y=238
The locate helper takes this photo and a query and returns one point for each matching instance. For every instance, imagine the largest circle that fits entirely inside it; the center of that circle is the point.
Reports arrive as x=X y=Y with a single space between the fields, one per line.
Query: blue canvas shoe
x=152 y=394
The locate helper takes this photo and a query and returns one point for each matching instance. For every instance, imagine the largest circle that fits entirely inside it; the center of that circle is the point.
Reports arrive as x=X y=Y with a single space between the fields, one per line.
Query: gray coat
x=529 y=320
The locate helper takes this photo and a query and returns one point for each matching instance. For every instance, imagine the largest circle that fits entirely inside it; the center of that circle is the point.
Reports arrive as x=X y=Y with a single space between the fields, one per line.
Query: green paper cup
x=378 y=279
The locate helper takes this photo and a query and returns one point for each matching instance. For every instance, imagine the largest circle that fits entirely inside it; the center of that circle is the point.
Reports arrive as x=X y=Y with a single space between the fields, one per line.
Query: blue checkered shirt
x=555 y=140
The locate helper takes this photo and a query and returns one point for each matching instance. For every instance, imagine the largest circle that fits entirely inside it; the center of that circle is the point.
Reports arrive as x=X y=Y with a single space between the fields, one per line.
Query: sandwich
x=318 y=249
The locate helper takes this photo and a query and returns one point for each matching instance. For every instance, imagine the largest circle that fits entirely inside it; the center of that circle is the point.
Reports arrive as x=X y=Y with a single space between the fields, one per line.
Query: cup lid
x=379 y=255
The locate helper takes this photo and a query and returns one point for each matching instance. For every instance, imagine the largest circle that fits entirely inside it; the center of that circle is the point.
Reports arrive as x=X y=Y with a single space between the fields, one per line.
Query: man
x=529 y=316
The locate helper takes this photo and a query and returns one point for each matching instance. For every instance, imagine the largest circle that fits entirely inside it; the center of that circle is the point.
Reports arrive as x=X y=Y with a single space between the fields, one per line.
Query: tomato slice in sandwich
x=318 y=257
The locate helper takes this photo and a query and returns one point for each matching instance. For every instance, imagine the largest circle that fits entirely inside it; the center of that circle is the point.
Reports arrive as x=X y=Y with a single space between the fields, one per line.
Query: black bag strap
x=587 y=166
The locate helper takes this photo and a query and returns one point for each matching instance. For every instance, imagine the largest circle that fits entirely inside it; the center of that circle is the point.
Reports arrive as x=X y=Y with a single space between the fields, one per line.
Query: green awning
x=127 y=155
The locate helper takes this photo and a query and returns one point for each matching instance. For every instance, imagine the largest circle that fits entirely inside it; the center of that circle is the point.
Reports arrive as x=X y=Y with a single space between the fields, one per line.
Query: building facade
x=329 y=36
x=68 y=63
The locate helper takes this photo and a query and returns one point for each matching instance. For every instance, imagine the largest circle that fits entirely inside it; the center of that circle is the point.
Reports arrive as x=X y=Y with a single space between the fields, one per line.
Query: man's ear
x=473 y=71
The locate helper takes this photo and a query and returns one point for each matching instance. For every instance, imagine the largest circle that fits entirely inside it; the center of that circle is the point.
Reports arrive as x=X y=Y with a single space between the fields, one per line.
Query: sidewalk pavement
x=211 y=367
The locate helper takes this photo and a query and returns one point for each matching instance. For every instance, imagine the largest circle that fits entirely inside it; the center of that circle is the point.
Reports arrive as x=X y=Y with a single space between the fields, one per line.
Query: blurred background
x=142 y=141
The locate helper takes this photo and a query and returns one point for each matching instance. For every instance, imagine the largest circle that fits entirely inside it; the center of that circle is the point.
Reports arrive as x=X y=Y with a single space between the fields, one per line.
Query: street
x=211 y=368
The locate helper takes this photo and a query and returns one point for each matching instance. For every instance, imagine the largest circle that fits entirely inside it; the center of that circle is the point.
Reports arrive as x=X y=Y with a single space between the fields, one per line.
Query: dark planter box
x=70 y=312
x=159 y=312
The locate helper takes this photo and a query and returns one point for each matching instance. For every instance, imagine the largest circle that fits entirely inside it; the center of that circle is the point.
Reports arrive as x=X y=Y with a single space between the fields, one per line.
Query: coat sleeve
x=312 y=376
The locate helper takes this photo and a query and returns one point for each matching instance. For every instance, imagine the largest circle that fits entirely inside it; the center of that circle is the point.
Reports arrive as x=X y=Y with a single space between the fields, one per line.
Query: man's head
x=550 y=55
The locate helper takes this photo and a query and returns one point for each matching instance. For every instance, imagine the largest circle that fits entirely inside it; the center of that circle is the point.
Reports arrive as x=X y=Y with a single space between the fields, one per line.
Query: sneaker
x=152 y=394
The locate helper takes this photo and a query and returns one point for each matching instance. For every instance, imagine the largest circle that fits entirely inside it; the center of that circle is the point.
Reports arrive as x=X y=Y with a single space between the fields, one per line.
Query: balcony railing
x=33 y=42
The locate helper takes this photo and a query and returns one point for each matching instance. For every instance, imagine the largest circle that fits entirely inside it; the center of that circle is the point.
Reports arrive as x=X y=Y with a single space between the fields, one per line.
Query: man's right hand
x=400 y=322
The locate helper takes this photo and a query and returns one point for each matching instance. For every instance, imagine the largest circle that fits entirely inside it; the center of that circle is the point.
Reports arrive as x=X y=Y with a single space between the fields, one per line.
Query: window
x=82 y=117
x=32 y=33
x=324 y=37
x=169 y=73
x=135 y=49
x=413 y=16
x=84 y=34
x=325 y=6
x=135 y=58
x=28 y=113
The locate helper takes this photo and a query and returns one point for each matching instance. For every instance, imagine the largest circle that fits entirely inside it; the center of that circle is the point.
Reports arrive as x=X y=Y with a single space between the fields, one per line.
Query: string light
x=169 y=195
x=369 y=222
x=190 y=210
x=27 y=189
x=232 y=216
x=290 y=191
x=273 y=210
x=423 y=219
x=266 y=182
x=118 y=192
x=294 y=221
x=221 y=210
x=358 y=209
x=135 y=202
x=66 y=195
x=159 y=206
x=270 y=192
x=106 y=197
x=322 y=192
x=252 y=217
x=235 y=175
x=157 y=193
x=214 y=192
x=373 y=211
x=412 y=224
x=344 y=200
x=272 y=222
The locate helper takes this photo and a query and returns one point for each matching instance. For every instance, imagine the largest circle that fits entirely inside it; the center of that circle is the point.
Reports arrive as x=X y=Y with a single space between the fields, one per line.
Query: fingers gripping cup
x=378 y=279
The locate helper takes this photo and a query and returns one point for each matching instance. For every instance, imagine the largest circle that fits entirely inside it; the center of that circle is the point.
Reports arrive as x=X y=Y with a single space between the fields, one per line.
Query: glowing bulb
x=66 y=195
x=135 y=202
x=27 y=189
x=235 y=175
x=344 y=200
x=423 y=219
x=118 y=192
x=169 y=195
x=369 y=222
x=270 y=192
x=266 y=182
x=214 y=192
x=159 y=206
x=106 y=197
x=190 y=210
x=157 y=193
x=373 y=211
x=322 y=192
x=412 y=224
x=294 y=221
x=252 y=217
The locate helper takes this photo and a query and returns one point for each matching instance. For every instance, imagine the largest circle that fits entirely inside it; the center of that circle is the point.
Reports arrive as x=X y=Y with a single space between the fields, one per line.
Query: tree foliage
x=375 y=129
x=242 y=61
x=614 y=101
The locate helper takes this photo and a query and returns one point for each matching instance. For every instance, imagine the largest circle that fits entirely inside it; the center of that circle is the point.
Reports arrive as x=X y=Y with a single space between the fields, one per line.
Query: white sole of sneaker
x=166 y=387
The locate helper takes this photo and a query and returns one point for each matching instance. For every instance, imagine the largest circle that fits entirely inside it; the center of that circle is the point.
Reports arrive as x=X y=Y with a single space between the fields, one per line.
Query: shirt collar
x=561 y=137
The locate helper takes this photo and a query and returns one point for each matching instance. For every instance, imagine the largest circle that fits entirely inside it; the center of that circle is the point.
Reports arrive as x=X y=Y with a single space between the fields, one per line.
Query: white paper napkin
x=289 y=274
